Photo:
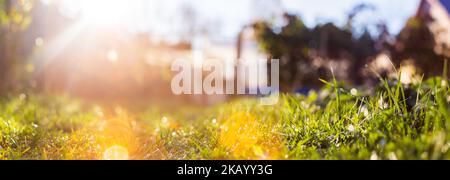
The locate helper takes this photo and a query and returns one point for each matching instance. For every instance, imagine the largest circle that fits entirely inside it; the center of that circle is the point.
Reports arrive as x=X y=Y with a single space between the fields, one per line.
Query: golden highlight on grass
x=245 y=137
x=392 y=121
x=116 y=153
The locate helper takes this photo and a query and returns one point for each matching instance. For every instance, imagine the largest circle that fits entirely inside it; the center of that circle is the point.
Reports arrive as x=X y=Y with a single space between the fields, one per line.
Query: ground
x=392 y=121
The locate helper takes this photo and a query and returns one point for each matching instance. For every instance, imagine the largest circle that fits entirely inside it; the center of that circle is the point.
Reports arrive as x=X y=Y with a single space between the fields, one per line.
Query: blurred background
x=120 y=51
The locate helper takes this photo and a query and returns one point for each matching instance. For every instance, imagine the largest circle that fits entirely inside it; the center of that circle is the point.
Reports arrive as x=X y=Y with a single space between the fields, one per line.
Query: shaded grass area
x=392 y=121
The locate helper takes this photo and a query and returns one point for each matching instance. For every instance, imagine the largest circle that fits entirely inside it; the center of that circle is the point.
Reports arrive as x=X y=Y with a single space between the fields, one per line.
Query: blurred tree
x=291 y=46
x=331 y=41
x=14 y=18
x=417 y=43
x=306 y=53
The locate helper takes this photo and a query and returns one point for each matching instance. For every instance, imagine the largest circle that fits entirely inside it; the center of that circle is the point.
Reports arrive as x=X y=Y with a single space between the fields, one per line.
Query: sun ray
x=48 y=54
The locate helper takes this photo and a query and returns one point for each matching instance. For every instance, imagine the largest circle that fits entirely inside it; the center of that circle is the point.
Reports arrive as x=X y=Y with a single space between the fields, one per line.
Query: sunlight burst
x=101 y=12
x=105 y=11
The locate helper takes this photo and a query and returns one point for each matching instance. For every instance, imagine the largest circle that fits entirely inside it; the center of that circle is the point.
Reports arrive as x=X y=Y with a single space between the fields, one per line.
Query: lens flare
x=112 y=56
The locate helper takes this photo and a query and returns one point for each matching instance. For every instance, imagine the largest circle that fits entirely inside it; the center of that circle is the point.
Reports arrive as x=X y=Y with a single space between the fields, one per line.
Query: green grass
x=391 y=121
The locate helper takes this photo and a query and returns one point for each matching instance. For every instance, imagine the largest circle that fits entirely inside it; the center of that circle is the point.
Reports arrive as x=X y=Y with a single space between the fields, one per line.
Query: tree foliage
x=417 y=43
x=306 y=53
x=14 y=18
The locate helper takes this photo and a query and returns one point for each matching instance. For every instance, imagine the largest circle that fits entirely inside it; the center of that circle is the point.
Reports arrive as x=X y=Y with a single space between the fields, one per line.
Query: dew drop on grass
x=22 y=97
x=165 y=120
x=382 y=103
x=351 y=128
x=445 y=148
x=444 y=83
x=374 y=156
x=354 y=92
x=392 y=156
x=35 y=125
x=365 y=111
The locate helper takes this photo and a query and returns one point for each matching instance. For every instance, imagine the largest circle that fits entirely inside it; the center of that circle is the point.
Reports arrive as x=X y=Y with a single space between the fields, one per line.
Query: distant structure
x=424 y=42
x=436 y=14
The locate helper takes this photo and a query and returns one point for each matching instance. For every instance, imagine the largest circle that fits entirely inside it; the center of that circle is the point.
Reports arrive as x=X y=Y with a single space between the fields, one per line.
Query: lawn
x=391 y=121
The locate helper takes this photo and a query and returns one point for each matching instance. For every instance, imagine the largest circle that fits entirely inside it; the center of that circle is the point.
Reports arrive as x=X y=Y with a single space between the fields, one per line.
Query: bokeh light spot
x=116 y=153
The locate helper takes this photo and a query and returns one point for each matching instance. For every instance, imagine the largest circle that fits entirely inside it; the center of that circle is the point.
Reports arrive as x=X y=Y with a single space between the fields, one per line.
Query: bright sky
x=394 y=12
x=162 y=17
